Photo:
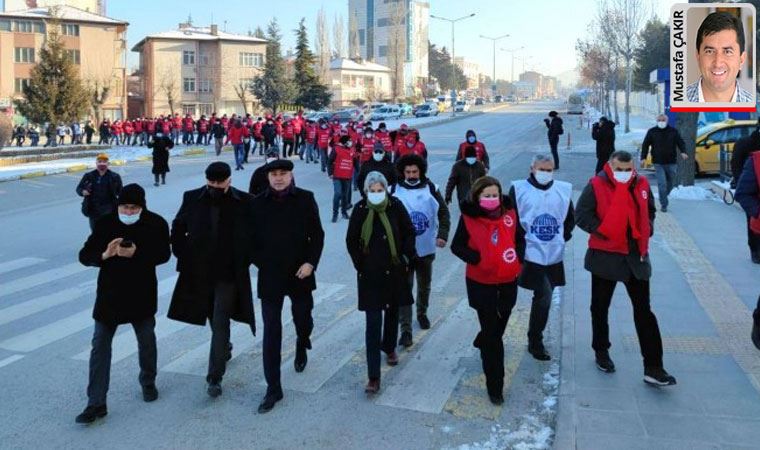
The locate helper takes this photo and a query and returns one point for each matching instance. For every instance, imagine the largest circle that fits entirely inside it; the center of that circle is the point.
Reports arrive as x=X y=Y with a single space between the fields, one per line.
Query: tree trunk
x=628 y=80
x=614 y=92
x=686 y=124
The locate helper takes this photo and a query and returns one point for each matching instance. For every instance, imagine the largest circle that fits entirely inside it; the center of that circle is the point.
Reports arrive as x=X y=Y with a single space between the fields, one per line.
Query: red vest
x=754 y=222
x=203 y=126
x=177 y=123
x=480 y=150
x=343 y=169
x=618 y=207
x=150 y=126
x=188 y=123
x=368 y=146
x=323 y=138
x=166 y=127
x=128 y=127
x=494 y=239
x=311 y=133
x=385 y=138
x=287 y=131
x=235 y=135
x=138 y=126
x=418 y=149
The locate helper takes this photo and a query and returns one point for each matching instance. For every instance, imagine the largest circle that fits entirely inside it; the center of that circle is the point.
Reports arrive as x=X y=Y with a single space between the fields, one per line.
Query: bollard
x=568 y=140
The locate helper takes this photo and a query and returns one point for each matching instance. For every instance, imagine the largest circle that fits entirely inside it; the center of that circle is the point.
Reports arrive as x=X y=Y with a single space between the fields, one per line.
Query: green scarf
x=369 y=222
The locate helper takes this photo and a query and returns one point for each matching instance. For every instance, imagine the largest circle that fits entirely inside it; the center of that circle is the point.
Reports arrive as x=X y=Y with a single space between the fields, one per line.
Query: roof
x=350 y=64
x=67 y=13
x=199 y=34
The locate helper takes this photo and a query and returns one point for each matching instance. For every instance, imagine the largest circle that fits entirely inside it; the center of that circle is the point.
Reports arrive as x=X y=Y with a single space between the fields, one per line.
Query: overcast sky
x=547 y=28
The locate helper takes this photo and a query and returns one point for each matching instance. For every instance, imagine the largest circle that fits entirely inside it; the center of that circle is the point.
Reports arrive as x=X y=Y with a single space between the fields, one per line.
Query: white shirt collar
x=702 y=97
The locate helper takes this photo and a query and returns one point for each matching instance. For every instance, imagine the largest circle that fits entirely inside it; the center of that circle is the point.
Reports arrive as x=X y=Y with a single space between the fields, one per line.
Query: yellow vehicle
x=709 y=140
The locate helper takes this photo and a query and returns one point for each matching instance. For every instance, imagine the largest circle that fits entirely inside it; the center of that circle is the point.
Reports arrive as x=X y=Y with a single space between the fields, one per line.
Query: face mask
x=489 y=203
x=471 y=139
x=622 y=177
x=378 y=156
x=661 y=124
x=413 y=181
x=323 y=126
x=215 y=193
x=129 y=220
x=159 y=134
x=368 y=136
x=349 y=144
x=375 y=197
x=543 y=178
x=410 y=144
x=471 y=160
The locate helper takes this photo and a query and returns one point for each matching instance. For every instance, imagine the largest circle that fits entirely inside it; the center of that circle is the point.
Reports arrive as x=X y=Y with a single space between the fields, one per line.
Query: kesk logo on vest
x=545 y=227
x=420 y=221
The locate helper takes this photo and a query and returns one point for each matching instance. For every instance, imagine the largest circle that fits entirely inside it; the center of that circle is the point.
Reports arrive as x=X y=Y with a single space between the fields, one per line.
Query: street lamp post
x=512 y=51
x=493 y=73
x=453 y=64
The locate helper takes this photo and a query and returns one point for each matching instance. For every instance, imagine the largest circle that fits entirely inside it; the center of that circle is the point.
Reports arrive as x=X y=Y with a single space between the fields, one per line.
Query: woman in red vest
x=617 y=210
x=487 y=240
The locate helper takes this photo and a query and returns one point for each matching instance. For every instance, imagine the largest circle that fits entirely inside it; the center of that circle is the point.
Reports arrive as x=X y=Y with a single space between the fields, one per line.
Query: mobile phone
x=126 y=243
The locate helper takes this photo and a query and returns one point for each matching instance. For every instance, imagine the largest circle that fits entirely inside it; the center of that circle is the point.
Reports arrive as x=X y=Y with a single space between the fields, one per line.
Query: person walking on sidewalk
x=218 y=132
x=665 y=143
x=464 y=172
x=236 y=134
x=288 y=241
x=380 y=241
x=486 y=239
x=430 y=217
x=743 y=151
x=212 y=240
x=748 y=195
x=603 y=132
x=617 y=210
x=544 y=209
x=554 y=125
x=340 y=169
x=161 y=146
x=126 y=247
x=100 y=189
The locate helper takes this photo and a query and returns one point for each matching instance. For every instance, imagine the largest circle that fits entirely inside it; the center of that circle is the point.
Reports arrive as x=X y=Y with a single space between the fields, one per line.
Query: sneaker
x=344 y=215
x=657 y=376
x=301 y=359
x=91 y=414
x=150 y=393
x=604 y=363
x=424 y=322
x=229 y=351
x=392 y=359
x=664 y=209
x=538 y=351
x=373 y=386
x=406 y=339
x=269 y=401
x=756 y=257
x=496 y=399
x=214 y=390
x=155 y=184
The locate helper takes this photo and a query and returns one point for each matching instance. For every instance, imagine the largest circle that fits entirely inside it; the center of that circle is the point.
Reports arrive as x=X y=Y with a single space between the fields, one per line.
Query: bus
x=575 y=104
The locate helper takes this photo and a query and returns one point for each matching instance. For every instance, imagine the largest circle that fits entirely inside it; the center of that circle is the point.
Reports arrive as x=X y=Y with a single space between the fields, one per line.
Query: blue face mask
x=471 y=160
x=471 y=139
x=129 y=220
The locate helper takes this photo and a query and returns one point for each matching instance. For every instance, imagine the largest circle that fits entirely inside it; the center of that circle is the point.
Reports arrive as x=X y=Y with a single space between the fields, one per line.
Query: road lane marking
x=42 y=336
x=40 y=278
x=20 y=263
x=16 y=312
x=10 y=360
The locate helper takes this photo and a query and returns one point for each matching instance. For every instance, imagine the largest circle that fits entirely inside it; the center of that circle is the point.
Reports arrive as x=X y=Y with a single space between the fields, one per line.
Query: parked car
x=405 y=108
x=498 y=99
x=416 y=107
x=511 y=98
x=480 y=101
x=386 y=112
x=347 y=115
x=461 y=106
x=427 y=110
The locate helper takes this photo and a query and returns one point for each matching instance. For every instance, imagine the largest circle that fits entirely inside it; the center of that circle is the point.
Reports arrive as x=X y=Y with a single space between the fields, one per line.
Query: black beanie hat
x=344 y=139
x=132 y=194
x=218 y=171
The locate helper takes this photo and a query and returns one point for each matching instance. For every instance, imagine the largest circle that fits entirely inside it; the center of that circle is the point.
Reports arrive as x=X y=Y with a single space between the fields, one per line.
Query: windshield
x=708 y=128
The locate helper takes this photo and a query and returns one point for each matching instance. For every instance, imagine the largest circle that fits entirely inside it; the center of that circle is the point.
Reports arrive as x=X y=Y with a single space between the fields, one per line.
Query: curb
x=722 y=192
x=143 y=158
x=460 y=117
x=194 y=152
x=77 y=168
x=39 y=173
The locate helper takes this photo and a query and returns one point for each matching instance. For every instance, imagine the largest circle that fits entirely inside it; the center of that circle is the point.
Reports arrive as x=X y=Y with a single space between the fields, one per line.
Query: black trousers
x=271 y=311
x=287 y=147
x=599 y=165
x=247 y=149
x=225 y=297
x=100 y=357
x=553 y=143
x=380 y=335
x=753 y=239
x=493 y=320
x=539 y=311
x=647 y=329
x=756 y=314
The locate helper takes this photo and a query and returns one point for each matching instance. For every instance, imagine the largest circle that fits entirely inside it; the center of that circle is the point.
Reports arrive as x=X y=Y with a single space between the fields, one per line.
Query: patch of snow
x=693 y=193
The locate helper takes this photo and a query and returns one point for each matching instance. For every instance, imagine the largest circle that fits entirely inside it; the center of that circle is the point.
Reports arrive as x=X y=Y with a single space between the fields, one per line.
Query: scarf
x=368 y=224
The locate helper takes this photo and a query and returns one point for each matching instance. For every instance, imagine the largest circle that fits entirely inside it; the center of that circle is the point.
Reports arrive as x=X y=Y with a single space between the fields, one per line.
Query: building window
x=362 y=37
x=386 y=22
x=188 y=85
x=5 y=25
x=39 y=27
x=20 y=84
x=24 y=55
x=73 y=56
x=70 y=29
x=382 y=51
x=251 y=59
x=188 y=109
x=204 y=85
x=205 y=109
x=23 y=26
x=188 y=57
x=204 y=59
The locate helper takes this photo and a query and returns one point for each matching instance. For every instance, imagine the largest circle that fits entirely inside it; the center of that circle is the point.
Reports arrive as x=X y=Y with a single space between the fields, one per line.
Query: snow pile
x=690 y=193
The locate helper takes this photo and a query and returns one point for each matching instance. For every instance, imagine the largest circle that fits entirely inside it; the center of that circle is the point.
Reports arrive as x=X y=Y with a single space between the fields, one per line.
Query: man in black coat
x=603 y=132
x=463 y=173
x=161 y=146
x=380 y=162
x=269 y=133
x=259 y=179
x=665 y=143
x=212 y=240
x=100 y=189
x=554 y=130
x=287 y=241
x=127 y=246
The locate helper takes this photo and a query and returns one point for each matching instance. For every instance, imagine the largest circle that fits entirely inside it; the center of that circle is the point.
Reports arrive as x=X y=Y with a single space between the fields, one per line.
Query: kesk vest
x=542 y=216
x=423 y=210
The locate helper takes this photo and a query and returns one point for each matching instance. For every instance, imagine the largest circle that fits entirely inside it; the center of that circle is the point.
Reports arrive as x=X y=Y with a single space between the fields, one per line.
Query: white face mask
x=375 y=197
x=378 y=156
x=544 y=178
x=661 y=124
x=471 y=160
x=129 y=220
x=622 y=177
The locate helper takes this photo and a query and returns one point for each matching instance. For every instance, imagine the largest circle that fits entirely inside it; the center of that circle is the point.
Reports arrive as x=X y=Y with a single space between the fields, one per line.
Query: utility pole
x=512 y=51
x=493 y=73
x=453 y=64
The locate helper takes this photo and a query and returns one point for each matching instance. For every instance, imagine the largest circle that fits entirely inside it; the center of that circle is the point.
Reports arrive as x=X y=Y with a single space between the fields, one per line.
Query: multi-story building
x=352 y=80
x=549 y=86
x=536 y=79
x=95 y=43
x=471 y=71
x=378 y=21
x=94 y=6
x=198 y=70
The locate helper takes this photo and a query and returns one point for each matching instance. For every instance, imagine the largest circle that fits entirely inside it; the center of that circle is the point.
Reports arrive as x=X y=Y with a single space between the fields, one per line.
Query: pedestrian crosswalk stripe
x=411 y=386
x=50 y=333
x=10 y=360
x=332 y=350
x=20 y=263
x=38 y=304
x=40 y=278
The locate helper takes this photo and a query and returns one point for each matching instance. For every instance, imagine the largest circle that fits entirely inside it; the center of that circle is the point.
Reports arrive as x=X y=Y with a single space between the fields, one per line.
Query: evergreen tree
x=55 y=92
x=272 y=87
x=311 y=93
x=653 y=53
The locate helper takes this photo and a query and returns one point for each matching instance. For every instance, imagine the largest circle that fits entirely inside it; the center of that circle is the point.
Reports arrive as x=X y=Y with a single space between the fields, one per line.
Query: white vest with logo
x=542 y=216
x=423 y=210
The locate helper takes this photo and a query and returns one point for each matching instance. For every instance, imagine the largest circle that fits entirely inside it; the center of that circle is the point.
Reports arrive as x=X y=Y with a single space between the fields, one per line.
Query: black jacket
x=554 y=127
x=96 y=206
x=259 y=181
x=532 y=274
x=269 y=132
x=743 y=148
x=287 y=234
x=663 y=143
x=604 y=135
x=607 y=265
x=747 y=190
x=194 y=244
x=127 y=287
x=161 y=146
x=462 y=176
x=380 y=283
x=385 y=167
x=217 y=130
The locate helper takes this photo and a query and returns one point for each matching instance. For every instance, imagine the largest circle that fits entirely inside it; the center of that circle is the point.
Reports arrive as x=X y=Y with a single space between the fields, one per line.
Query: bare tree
x=99 y=90
x=242 y=90
x=322 y=47
x=354 y=50
x=168 y=86
x=397 y=49
x=339 y=37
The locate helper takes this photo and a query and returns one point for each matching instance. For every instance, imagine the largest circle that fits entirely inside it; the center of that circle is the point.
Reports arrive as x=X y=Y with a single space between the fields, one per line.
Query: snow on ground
x=690 y=193
x=623 y=141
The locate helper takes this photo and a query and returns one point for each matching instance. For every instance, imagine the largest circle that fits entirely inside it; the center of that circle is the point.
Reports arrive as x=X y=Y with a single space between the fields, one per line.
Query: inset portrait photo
x=713 y=57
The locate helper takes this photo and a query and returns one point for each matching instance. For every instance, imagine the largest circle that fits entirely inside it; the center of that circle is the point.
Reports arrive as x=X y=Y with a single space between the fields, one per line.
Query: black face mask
x=215 y=193
x=412 y=181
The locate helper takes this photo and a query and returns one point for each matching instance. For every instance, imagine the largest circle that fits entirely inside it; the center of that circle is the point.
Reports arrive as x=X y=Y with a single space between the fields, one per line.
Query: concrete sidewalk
x=704 y=288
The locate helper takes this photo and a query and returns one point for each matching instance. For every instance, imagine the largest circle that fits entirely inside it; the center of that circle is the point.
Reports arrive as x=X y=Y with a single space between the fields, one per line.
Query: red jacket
x=150 y=126
x=480 y=150
x=323 y=137
x=494 y=240
x=166 y=127
x=418 y=149
x=116 y=128
x=288 y=131
x=385 y=138
x=177 y=123
x=754 y=222
x=343 y=167
x=620 y=207
x=138 y=126
x=189 y=124
x=236 y=135
x=368 y=146
x=257 y=131
x=128 y=127
x=297 y=124
x=311 y=133
x=225 y=123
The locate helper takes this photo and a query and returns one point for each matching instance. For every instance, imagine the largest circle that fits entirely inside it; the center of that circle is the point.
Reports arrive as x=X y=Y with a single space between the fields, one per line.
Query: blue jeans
x=341 y=195
x=666 y=179
x=239 y=155
x=323 y=158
